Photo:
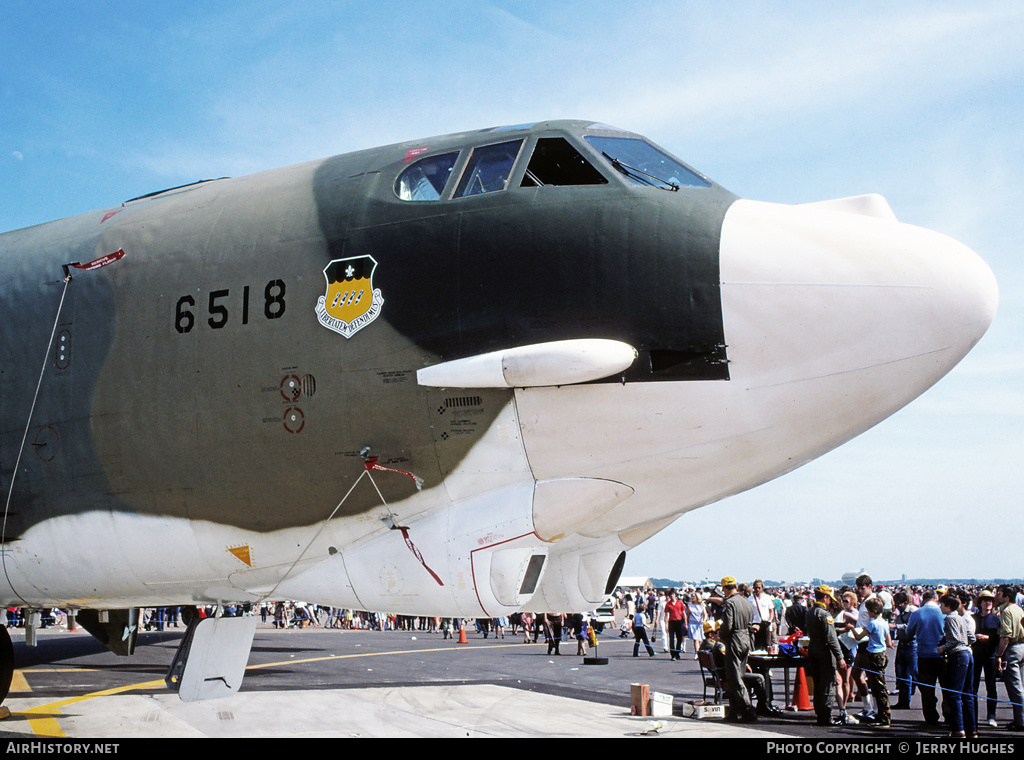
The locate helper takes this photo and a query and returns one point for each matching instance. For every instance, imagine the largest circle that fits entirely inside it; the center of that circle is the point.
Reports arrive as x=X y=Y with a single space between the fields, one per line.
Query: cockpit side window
x=643 y=164
x=488 y=168
x=556 y=162
x=425 y=180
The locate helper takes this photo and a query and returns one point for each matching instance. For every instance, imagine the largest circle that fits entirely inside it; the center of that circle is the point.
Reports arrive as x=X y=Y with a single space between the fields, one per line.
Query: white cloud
x=778 y=70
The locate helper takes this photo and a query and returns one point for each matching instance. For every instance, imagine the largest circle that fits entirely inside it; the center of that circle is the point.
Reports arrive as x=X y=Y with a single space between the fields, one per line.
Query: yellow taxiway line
x=43 y=719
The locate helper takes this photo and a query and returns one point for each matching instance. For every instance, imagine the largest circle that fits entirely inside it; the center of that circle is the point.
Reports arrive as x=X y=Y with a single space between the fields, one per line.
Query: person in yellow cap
x=737 y=617
x=824 y=655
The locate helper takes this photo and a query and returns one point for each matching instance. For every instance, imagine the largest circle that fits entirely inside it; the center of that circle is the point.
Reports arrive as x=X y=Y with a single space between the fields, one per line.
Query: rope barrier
x=920 y=684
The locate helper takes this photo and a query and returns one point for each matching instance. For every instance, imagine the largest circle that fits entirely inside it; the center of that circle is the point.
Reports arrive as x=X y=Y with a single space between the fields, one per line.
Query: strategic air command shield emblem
x=351 y=302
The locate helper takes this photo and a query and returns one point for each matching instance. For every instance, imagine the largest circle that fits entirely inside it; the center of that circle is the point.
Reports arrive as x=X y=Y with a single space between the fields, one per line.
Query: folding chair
x=711 y=676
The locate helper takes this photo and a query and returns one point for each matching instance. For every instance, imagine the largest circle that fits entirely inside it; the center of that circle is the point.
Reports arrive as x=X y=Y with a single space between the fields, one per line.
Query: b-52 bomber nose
x=834 y=315
x=857 y=290
x=875 y=311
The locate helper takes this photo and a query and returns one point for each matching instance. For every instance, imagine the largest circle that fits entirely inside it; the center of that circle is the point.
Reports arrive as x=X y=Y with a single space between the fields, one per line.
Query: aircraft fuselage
x=222 y=377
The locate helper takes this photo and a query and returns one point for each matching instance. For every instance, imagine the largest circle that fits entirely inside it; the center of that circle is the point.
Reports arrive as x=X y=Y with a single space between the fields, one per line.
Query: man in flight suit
x=737 y=617
x=824 y=654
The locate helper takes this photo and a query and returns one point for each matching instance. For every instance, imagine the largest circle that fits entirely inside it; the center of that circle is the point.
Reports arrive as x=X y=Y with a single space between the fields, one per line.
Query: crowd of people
x=946 y=643
x=552 y=627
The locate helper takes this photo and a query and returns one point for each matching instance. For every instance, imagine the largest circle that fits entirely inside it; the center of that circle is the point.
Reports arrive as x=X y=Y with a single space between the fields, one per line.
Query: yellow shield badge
x=351 y=302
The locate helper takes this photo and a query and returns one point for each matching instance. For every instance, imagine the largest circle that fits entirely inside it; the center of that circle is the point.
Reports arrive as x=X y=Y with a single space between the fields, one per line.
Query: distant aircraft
x=460 y=376
x=850 y=579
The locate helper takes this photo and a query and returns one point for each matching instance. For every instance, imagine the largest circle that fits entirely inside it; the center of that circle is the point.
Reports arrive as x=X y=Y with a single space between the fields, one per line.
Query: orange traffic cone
x=801 y=699
x=462 y=634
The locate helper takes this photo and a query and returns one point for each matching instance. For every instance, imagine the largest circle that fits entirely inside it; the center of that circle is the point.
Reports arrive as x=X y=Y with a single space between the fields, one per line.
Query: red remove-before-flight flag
x=102 y=261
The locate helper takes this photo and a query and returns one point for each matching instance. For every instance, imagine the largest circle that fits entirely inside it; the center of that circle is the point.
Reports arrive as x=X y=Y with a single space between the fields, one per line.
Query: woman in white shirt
x=696 y=614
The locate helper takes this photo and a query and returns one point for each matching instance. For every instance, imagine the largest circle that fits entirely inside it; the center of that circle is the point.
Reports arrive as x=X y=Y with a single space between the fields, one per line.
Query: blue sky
x=795 y=102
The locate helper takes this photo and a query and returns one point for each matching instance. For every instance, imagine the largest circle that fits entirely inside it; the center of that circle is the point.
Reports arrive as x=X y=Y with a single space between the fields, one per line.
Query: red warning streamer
x=416 y=553
x=371 y=464
x=102 y=261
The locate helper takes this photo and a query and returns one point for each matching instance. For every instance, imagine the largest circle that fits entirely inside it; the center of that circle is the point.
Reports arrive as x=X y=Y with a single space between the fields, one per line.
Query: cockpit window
x=556 y=162
x=643 y=164
x=425 y=180
x=488 y=168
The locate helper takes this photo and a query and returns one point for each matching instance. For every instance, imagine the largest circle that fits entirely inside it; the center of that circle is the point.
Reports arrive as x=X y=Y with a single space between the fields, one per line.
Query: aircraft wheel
x=6 y=666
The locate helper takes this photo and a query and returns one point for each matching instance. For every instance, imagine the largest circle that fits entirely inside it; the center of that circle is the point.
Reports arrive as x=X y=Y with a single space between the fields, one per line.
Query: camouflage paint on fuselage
x=200 y=383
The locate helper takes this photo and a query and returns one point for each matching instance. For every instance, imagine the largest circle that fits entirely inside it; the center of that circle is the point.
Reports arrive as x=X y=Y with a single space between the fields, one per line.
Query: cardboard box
x=703 y=710
x=639 y=699
x=661 y=704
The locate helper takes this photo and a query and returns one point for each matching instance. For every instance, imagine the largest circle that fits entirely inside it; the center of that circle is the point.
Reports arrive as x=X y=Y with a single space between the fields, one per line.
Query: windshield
x=643 y=164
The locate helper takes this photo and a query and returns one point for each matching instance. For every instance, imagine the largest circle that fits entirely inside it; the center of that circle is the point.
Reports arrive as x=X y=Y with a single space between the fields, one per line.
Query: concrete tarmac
x=451 y=711
x=320 y=682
